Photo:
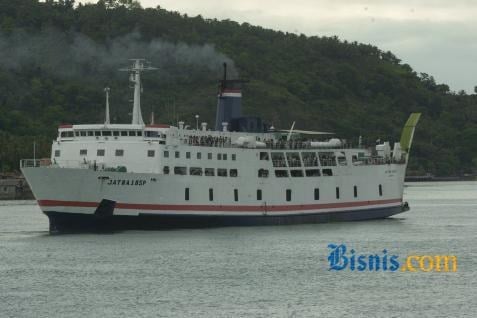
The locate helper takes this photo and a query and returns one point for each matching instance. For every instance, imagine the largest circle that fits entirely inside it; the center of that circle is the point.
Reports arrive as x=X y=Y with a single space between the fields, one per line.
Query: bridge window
x=289 y=195
x=83 y=152
x=119 y=152
x=106 y=133
x=180 y=171
x=139 y=133
x=259 y=195
x=309 y=159
x=57 y=153
x=296 y=173
x=83 y=133
x=77 y=133
x=293 y=159
x=90 y=134
x=166 y=154
x=195 y=171
x=124 y=133
x=132 y=133
x=151 y=153
x=233 y=172
x=380 y=190
x=327 y=159
x=97 y=133
x=186 y=194
x=211 y=194
x=312 y=172
x=209 y=172
x=100 y=153
x=337 y=192
x=317 y=194
x=264 y=156
x=262 y=173
x=281 y=173
x=355 y=189
x=278 y=159
x=115 y=133
x=222 y=172
x=166 y=169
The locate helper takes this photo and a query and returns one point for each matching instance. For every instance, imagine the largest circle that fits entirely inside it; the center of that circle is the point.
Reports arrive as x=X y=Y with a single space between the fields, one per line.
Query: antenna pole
x=135 y=77
x=106 y=120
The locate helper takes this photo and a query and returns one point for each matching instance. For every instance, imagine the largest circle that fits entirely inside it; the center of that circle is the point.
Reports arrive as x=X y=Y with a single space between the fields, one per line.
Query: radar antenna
x=135 y=77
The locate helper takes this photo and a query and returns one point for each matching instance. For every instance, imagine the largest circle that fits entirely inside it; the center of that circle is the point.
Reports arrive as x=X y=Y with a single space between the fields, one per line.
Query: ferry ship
x=240 y=172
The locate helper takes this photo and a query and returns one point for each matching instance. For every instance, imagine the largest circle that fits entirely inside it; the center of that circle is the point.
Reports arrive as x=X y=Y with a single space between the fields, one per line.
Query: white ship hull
x=84 y=199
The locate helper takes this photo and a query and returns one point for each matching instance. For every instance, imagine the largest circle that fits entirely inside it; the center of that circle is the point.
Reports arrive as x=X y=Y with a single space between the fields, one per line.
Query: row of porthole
x=288 y=194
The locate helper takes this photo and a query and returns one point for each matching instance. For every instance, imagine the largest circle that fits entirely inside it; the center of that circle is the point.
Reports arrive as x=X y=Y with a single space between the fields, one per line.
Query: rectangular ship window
x=90 y=134
x=83 y=133
x=289 y=194
x=259 y=195
x=115 y=133
x=380 y=190
x=132 y=133
x=124 y=133
x=317 y=194
x=234 y=157
x=106 y=133
x=327 y=172
x=57 y=153
x=166 y=169
x=233 y=173
x=224 y=156
x=209 y=156
x=166 y=154
x=199 y=155
x=355 y=191
x=119 y=152
x=327 y=159
x=219 y=156
x=281 y=173
x=337 y=192
x=97 y=133
x=180 y=171
x=222 y=172
x=195 y=171
x=188 y=155
x=262 y=173
x=186 y=194
x=211 y=194
x=312 y=172
x=296 y=173
x=177 y=154
x=100 y=153
x=151 y=153
x=235 y=195
x=83 y=152
x=209 y=172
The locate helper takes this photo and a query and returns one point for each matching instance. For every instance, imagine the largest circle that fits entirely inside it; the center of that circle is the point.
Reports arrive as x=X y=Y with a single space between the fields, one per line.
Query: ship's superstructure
x=128 y=176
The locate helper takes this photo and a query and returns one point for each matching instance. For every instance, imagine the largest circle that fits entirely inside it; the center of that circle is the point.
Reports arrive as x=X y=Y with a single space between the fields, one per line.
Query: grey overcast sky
x=438 y=37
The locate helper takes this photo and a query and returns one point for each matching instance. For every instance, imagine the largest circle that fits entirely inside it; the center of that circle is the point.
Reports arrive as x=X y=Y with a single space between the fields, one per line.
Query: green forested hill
x=56 y=58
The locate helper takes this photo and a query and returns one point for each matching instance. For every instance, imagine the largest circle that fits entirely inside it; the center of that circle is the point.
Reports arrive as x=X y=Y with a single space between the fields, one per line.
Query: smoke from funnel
x=70 y=54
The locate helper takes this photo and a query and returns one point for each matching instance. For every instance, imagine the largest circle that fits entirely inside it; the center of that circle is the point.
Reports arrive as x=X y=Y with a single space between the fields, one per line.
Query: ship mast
x=135 y=77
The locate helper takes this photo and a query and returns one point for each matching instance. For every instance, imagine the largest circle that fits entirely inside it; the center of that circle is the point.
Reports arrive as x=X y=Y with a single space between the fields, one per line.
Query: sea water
x=273 y=271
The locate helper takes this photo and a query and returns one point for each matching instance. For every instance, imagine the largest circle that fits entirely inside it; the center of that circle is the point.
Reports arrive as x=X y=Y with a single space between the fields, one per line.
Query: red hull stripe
x=230 y=208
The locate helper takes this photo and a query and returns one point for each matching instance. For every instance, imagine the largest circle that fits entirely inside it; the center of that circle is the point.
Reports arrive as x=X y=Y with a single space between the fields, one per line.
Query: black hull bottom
x=70 y=222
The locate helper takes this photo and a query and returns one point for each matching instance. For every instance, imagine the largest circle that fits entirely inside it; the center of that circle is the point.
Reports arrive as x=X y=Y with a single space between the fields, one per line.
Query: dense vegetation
x=58 y=57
